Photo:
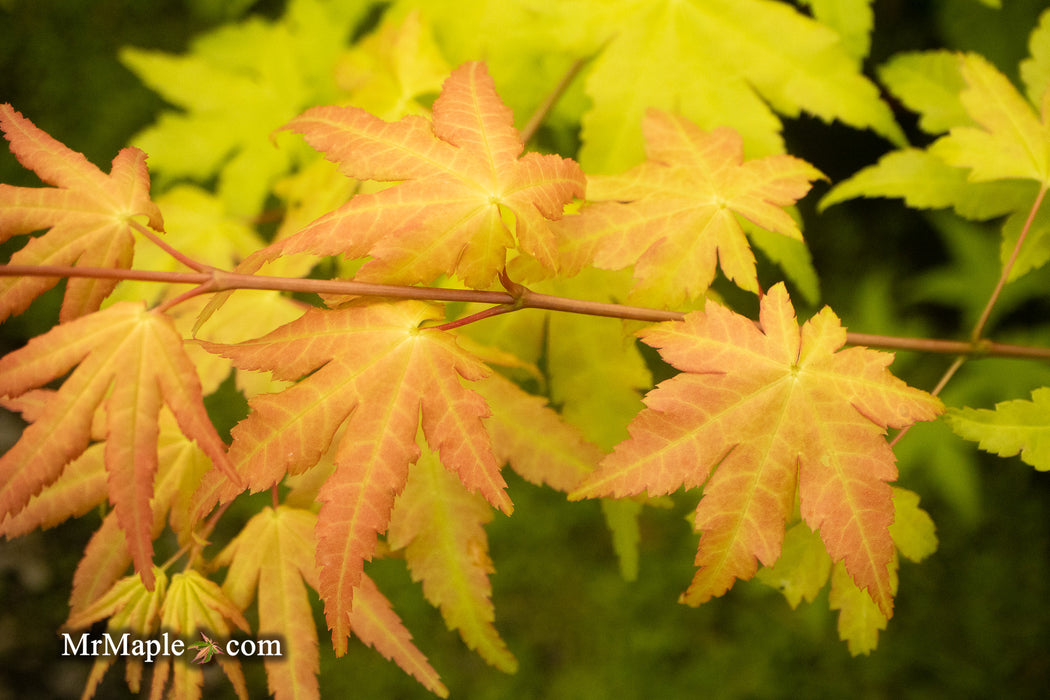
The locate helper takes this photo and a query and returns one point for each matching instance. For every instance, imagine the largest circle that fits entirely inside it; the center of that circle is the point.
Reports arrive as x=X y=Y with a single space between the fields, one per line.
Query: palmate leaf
x=440 y=527
x=132 y=361
x=994 y=157
x=130 y=607
x=690 y=51
x=236 y=85
x=673 y=216
x=804 y=568
x=87 y=214
x=274 y=554
x=372 y=369
x=195 y=605
x=83 y=485
x=460 y=176
x=756 y=413
x=1014 y=427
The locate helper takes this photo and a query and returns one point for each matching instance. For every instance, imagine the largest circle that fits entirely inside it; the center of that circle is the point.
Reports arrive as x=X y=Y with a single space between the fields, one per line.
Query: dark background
x=972 y=621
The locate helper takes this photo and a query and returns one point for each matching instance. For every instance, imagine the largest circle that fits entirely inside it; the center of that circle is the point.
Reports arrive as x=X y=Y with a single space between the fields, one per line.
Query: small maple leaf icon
x=206 y=650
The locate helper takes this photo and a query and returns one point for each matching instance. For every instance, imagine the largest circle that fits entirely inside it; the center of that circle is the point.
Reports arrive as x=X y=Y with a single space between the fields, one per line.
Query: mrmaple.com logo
x=149 y=649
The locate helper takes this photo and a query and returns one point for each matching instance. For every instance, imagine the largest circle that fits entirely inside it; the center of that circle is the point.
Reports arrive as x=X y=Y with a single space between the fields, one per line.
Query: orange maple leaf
x=274 y=553
x=132 y=360
x=373 y=369
x=460 y=178
x=757 y=412
x=674 y=215
x=87 y=213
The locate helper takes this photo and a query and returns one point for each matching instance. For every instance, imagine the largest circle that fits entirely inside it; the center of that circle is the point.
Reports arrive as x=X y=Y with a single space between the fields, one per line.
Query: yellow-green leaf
x=1014 y=427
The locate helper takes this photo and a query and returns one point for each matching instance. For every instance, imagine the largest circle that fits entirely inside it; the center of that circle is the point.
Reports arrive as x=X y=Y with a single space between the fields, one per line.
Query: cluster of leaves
x=380 y=426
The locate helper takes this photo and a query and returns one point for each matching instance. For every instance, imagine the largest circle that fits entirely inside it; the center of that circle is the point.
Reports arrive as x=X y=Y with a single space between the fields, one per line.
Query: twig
x=979 y=327
x=523 y=298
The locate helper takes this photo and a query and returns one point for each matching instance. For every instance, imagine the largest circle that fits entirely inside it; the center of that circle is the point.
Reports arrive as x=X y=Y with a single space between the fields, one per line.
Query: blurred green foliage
x=972 y=621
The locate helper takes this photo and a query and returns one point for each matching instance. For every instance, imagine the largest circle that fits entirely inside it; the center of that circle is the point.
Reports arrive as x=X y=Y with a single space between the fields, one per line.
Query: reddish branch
x=214 y=280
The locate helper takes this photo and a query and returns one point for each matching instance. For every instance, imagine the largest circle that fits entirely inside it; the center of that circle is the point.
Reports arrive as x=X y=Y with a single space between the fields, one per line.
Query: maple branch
x=978 y=348
x=977 y=345
x=181 y=257
x=979 y=328
x=948 y=374
x=520 y=297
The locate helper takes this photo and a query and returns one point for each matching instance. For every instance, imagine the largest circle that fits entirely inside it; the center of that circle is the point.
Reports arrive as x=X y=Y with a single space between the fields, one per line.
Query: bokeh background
x=973 y=621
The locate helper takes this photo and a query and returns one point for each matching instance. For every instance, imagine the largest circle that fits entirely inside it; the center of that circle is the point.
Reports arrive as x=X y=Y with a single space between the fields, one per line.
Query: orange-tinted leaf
x=458 y=177
x=81 y=487
x=673 y=216
x=105 y=560
x=757 y=411
x=533 y=438
x=371 y=368
x=83 y=483
x=132 y=360
x=130 y=607
x=275 y=553
x=86 y=211
x=440 y=526
x=377 y=625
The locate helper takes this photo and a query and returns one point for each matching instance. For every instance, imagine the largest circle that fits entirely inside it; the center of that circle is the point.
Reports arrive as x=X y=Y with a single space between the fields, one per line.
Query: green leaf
x=1036 y=248
x=1010 y=143
x=391 y=70
x=928 y=82
x=1013 y=427
x=802 y=569
x=912 y=530
x=860 y=620
x=237 y=85
x=1035 y=70
x=692 y=67
x=924 y=181
x=852 y=19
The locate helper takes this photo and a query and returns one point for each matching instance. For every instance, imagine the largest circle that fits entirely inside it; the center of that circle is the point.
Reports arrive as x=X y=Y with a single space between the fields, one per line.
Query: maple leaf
x=233 y=87
x=392 y=70
x=440 y=527
x=1014 y=427
x=82 y=486
x=130 y=607
x=371 y=368
x=274 y=552
x=87 y=212
x=804 y=568
x=984 y=167
x=691 y=65
x=206 y=650
x=131 y=361
x=460 y=179
x=1008 y=140
x=195 y=605
x=674 y=215
x=757 y=412
x=533 y=438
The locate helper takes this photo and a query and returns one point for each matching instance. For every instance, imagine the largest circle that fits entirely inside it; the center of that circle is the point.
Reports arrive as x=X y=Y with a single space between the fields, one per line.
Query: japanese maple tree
x=439 y=303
